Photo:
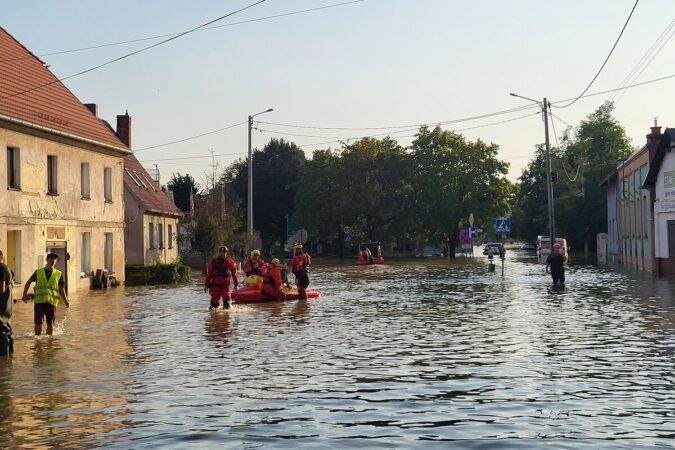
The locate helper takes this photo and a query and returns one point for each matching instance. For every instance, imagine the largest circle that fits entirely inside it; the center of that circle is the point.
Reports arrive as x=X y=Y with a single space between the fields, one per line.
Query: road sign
x=471 y=219
x=473 y=233
x=503 y=226
x=464 y=236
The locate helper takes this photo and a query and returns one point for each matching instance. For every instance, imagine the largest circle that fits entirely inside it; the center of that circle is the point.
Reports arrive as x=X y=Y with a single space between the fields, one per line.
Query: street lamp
x=250 y=173
x=545 y=106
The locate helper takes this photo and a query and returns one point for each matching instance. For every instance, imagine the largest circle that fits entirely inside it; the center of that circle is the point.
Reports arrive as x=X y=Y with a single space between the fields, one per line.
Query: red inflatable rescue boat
x=370 y=253
x=253 y=294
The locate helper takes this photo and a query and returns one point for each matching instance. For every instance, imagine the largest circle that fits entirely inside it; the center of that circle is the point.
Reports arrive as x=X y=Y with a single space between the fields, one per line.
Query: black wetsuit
x=557 y=263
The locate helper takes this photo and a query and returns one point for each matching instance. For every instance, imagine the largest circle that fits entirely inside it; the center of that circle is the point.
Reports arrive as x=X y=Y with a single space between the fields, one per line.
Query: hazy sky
x=374 y=63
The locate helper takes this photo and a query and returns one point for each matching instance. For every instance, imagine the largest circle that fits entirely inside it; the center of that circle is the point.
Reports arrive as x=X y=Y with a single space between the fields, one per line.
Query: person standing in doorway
x=6 y=301
x=217 y=282
x=49 y=288
x=556 y=261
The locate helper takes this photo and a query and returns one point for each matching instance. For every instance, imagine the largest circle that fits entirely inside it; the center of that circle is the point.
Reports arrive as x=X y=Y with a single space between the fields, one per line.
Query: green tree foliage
x=182 y=186
x=453 y=178
x=213 y=225
x=277 y=170
x=530 y=205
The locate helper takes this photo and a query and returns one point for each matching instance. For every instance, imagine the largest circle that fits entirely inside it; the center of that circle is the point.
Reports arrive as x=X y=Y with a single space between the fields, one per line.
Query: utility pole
x=549 y=182
x=250 y=173
x=250 y=180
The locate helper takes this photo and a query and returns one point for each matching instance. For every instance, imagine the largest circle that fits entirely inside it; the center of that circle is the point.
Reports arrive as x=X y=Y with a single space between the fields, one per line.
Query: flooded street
x=413 y=354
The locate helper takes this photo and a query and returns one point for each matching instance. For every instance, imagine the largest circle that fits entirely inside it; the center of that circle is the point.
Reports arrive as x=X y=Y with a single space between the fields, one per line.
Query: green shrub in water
x=172 y=273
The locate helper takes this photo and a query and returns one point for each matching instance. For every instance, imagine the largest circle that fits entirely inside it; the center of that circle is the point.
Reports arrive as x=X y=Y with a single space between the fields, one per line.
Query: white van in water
x=544 y=246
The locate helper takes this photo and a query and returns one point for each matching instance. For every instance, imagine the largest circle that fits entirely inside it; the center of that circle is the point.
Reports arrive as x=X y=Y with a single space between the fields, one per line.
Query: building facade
x=630 y=217
x=63 y=172
x=151 y=217
x=661 y=182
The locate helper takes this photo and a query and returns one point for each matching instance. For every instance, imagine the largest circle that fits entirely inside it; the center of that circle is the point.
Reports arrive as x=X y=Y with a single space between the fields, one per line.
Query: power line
x=644 y=57
x=562 y=162
x=617 y=89
x=606 y=59
x=91 y=69
x=446 y=122
x=191 y=137
x=649 y=62
x=149 y=38
x=194 y=157
x=412 y=135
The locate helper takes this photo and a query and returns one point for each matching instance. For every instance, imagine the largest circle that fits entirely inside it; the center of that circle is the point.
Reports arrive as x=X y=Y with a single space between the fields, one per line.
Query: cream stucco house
x=62 y=171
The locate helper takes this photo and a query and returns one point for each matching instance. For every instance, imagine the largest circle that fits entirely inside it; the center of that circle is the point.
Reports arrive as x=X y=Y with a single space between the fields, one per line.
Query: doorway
x=13 y=254
x=60 y=248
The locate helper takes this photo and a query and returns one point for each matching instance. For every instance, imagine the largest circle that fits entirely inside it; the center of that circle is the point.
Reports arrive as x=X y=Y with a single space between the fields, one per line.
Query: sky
x=364 y=64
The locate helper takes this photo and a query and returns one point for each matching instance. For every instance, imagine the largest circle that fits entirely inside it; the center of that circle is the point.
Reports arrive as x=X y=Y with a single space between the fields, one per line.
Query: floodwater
x=416 y=354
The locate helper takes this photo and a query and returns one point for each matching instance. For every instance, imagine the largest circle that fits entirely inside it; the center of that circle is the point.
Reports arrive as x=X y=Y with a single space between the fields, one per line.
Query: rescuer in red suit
x=218 y=273
x=254 y=265
x=300 y=268
x=273 y=283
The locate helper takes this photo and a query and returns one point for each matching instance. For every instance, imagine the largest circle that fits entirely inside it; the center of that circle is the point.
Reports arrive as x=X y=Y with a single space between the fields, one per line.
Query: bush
x=172 y=273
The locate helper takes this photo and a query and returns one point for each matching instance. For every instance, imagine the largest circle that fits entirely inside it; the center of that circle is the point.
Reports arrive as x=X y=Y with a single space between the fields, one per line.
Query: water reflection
x=414 y=354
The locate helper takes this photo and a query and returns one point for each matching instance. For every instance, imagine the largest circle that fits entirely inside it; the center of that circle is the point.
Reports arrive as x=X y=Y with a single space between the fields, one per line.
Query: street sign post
x=502 y=226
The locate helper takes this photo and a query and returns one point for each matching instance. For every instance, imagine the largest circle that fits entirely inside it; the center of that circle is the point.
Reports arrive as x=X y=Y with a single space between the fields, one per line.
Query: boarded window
x=107 y=184
x=84 y=181
x=108 y=252
x=85 y=257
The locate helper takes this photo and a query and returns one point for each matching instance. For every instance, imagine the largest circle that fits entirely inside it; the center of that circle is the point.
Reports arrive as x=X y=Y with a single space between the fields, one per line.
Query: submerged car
x=496 y=248
x=528 y=246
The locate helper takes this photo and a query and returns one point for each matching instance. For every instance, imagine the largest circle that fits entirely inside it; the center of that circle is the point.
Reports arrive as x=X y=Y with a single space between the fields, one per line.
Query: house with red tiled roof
x=63 y=169
x=151 y=217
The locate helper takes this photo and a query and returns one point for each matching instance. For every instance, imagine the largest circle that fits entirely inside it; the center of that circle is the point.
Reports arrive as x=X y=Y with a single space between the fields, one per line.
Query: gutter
x=124 y=151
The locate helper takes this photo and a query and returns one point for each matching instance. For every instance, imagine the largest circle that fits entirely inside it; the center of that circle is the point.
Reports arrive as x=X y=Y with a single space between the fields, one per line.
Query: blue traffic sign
x=503 y=226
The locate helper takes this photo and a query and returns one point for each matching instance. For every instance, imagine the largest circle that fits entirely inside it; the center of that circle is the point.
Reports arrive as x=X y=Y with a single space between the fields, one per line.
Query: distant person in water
x=556 y=261
x=273 y=285
x=49 y=288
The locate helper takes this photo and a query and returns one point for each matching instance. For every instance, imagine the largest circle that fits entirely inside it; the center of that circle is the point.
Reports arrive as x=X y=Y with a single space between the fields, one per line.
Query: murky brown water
x=414 y=354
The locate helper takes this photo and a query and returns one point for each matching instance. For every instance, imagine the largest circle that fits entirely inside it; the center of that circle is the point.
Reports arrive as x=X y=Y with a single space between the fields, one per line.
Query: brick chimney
x=124 y=128
x=93 y=107
x=653 y=140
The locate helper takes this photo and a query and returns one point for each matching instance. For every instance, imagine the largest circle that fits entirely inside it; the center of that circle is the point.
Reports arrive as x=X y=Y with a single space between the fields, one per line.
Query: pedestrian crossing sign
x=503 y=226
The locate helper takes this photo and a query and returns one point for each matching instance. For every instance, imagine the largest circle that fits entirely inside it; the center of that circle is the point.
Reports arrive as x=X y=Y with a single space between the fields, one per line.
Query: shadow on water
x=413 y=354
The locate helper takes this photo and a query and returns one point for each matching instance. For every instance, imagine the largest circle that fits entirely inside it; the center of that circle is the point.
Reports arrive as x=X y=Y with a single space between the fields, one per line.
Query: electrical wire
x=562 y=162
x=191 y=137
x=648 y=62
x=91 y=69
x=617 y=89
x=446 y=122
x=194 y=157
x=149 y=38
x=643 y=58
x=606 y=59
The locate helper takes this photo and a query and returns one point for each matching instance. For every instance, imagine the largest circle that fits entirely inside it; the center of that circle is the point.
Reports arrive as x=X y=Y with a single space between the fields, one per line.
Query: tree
x=211 y=226
x=530 y=206
x=277 y=172
x=182 y=186
x=453 y=178
x=585 y=161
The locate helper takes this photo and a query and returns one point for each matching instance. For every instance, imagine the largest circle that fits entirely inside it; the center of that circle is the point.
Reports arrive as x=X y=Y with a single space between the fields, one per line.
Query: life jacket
x=47 y=291
x=300 y=262
x=254 y=267
x=220 y=272
x=269 y=278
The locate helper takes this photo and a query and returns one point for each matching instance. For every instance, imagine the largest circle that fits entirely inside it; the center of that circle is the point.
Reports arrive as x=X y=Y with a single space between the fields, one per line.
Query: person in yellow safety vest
x=49 y=287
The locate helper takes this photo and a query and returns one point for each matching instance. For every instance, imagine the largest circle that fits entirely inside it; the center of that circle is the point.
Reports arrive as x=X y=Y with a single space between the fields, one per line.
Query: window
x=85 y=257
x=151 y=235
x=52 y=178
x=107 y=184
x=107 y=256
x=84 y=181
x=13 y=168
x=169 y=235
x=160 y=234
